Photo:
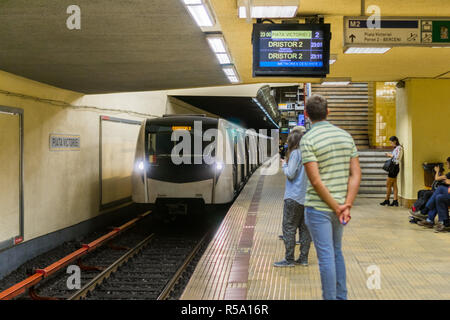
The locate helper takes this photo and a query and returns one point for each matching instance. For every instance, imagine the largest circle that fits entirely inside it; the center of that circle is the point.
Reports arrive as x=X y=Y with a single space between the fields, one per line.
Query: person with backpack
x=391 y=181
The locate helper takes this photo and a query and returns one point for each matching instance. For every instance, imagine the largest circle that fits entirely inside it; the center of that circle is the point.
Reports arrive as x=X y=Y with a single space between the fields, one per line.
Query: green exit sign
x=441 y=31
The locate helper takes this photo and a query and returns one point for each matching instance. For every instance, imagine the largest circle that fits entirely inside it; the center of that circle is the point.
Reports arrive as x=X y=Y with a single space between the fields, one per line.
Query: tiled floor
x=414 y=262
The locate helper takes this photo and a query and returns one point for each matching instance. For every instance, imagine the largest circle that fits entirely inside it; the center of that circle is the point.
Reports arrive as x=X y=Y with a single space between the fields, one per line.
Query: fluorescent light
x=366 y=50
x=231 y=74
x=335 y=83
x=269 y=12
x=229 y=71
x=333 y=58
x=188 y=2
x=217 y=44
x=223 y=58
x=233 y=79
x=200 y=15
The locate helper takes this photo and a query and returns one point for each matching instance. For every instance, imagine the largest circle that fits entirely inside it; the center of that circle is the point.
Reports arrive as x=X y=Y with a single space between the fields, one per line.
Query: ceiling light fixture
x=336 y=81
x=268 y=9
x=200 y=12
x=219 y=47
x=265 y=112
x=333 y=58
x=230 y=72
x=366 y=50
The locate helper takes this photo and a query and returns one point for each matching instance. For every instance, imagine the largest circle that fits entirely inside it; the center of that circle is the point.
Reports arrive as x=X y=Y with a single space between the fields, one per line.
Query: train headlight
x=141 y=165
x=219 y=166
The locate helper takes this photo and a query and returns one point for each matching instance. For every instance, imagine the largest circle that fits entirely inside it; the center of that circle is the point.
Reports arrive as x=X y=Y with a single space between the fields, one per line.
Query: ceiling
x=398 y=63
x=230 y=108
x=128 y=45
x=142 y=45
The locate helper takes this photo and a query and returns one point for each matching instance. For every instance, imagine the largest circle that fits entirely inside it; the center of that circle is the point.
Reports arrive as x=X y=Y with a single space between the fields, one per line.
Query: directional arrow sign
x=392 y=31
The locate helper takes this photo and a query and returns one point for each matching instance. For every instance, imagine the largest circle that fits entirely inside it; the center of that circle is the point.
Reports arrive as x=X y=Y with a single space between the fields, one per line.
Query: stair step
x=373 y=183
x=369 y=195
x=368 y=165
x=357 y=117
x=371 y=189
x=356 y=131
x=339 y=105
x=371 y=159
x=374 y=153
x=353 y=127
x=373 y=171
x=347 y=113
x=363 y=122
x=360 y=136
x=374 y=177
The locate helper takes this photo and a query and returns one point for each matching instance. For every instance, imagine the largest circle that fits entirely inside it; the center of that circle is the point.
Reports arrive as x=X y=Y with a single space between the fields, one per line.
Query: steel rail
x=171 y=284
x=40 y=274
x=91 y=285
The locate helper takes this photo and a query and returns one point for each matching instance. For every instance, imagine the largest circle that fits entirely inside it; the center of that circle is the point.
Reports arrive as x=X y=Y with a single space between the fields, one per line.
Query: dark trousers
x=293 y=218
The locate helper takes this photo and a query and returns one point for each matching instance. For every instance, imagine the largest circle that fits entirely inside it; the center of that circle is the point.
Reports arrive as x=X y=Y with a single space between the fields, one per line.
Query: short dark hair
x=448 y=159
x=317 y=107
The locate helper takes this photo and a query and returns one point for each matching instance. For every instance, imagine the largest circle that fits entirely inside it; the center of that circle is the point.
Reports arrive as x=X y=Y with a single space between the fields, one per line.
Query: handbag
x=388 y=165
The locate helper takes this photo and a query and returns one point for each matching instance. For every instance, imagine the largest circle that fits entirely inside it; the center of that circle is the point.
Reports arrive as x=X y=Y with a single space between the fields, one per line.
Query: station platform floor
x=413 y=261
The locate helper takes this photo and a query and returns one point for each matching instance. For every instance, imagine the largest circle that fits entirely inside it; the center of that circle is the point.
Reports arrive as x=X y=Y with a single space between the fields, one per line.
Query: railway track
x=148 y=271
x=145 y=262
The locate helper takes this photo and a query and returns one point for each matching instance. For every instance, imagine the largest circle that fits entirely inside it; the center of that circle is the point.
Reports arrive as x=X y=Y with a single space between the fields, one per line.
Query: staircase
x=373 y=183
x=348 y=109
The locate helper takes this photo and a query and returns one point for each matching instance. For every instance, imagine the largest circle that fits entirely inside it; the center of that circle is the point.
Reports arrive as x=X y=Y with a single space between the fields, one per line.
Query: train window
x=159 y=142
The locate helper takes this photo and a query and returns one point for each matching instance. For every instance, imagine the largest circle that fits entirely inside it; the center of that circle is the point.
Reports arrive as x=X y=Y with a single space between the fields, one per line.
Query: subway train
x=189 y=161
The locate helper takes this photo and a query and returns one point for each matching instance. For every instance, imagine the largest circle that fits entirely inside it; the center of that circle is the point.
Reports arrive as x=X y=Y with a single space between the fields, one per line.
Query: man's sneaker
x=425 y=223
x=283 y=263
x=441 y=228
x=418 y=215
x=301 y=262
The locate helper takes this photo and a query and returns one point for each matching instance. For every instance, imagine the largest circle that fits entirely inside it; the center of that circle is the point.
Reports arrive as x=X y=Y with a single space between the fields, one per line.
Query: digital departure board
x=291 y=50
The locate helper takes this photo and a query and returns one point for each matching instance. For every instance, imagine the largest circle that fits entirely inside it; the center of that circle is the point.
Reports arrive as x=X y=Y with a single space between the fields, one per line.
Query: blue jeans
x=326 y=232
x=431 y=204
x=442 y=203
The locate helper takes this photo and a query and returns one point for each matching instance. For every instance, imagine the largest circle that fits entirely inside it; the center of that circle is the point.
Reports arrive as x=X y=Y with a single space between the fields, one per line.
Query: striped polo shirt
x=332 y=148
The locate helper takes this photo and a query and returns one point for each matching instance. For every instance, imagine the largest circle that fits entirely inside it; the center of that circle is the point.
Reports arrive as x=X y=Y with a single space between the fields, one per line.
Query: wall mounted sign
x=64 y=142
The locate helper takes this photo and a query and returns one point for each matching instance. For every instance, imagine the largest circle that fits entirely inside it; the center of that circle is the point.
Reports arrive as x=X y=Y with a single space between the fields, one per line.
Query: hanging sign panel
x=392 y=31
x=435 y=31
x=396 y=32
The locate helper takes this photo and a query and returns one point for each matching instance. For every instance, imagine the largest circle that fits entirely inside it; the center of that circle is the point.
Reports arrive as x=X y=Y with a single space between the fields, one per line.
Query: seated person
x=425 y=195
x=431 y=208
x=442 y=204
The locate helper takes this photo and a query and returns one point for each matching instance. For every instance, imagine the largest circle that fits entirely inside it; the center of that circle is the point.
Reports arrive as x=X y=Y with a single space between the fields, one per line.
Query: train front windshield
x=160 y=144
x=159 y=147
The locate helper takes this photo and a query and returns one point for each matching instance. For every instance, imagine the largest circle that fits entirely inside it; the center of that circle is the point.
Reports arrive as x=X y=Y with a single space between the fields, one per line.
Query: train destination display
x=290 y=50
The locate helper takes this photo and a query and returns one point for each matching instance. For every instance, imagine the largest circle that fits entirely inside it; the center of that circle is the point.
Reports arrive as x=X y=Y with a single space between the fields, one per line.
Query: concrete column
x=423 y=120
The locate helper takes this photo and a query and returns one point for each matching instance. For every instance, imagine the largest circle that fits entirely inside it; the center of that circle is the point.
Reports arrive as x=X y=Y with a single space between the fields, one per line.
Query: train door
x=247 y=157
x=235 y=166
x=242 y=156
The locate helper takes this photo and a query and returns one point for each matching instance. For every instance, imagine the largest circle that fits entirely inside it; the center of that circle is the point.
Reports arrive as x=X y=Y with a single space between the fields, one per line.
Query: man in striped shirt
x=331 y=161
